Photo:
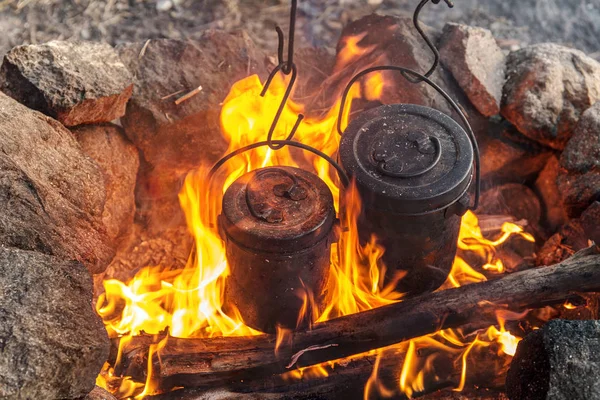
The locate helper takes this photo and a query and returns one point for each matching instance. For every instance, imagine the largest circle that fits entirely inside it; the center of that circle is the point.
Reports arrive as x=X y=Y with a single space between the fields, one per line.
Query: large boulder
x=477 y=63
x=387 y=40
x=52 y=343
x=185 y=134
x=119 y=160
x=51 y=194
x=548 y=87
x=73 y=82
x=579 y=177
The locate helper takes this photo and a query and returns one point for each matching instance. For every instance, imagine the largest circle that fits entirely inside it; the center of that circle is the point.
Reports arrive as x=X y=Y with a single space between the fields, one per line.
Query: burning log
x=207 y=362
x=558 y=361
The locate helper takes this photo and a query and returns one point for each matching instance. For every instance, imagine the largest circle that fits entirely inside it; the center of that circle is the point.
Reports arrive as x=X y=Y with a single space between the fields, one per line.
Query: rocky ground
x=514 y=22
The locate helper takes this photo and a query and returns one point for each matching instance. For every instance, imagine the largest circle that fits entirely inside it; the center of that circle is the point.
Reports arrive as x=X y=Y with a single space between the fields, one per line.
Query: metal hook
x=286 y=95
x=436 y=53
x=421 y=78
x=286 y=67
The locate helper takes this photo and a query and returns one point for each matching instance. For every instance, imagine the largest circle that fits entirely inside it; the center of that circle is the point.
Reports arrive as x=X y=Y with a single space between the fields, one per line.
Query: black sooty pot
x=412 y=166
x=277 y=224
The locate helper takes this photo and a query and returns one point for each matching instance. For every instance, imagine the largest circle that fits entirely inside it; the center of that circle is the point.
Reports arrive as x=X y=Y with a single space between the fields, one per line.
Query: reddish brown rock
x=184 y=135
x=118 y=158
x=590 y=221
x=74 y=82
x=507 y=156
x=511 y=199
x=477 y=64
x=579 y=177
x=548 y=87
x=51 y=194
x=555 y=214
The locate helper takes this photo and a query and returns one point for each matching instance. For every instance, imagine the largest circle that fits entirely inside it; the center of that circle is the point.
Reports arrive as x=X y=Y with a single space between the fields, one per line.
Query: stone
x=119 y=161
x=579 y=177
x=590 y=221
x=73 y=82
x=477 y=63
x=387 y=40
x=183 y=136
x=555 y=214
x=507 y=156
x=157 y=198
x=557 y=362
x=512 y=199
x=52 y=343
x=51 y=194
x=548 y=87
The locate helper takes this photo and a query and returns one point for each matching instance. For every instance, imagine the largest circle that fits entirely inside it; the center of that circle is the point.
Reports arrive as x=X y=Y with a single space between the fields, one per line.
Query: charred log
x=205 y=362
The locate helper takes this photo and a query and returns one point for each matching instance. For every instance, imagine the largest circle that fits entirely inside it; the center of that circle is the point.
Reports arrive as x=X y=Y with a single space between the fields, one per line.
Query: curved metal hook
x=288 y=92
x=340 y=171
x=421 y=78
x=417 y=24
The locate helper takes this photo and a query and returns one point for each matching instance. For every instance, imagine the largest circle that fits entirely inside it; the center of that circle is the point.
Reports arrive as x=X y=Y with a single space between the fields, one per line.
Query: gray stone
x=51 y=194
x=182 y=136
x=548 y=87
x=52 y=343
x=119 y=160
x=558 y=362
x=579 y=178
x=477 y=64
x=73 y=82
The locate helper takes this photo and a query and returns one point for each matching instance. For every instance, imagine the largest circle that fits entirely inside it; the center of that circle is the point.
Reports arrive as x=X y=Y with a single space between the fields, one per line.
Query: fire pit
x=304 y=226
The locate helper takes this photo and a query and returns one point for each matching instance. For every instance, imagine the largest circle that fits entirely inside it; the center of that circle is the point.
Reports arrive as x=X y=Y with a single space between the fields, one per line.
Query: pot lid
x=407 y=158
x=278 y=209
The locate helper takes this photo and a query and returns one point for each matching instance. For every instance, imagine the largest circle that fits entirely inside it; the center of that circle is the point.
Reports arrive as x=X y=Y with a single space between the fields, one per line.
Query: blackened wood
x=200 y=362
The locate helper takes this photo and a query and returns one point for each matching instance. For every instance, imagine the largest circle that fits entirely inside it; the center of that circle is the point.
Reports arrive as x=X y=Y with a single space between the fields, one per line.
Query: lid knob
x=406 y=156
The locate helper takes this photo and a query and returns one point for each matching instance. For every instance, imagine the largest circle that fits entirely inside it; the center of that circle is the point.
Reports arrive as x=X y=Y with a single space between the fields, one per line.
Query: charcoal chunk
x=558 y=362
x=73 y=82
x=548 y=87
x=52 y=343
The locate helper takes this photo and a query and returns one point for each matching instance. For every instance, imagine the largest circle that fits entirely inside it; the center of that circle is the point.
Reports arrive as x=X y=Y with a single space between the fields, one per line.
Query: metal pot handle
x=406 y=73
x=340 y=171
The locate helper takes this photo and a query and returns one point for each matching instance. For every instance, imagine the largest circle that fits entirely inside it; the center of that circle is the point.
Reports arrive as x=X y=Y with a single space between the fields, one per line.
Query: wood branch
x=221 y=361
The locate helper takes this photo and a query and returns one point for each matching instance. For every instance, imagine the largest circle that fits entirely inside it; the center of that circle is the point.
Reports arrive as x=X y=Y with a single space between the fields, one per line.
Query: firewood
x=217 y=361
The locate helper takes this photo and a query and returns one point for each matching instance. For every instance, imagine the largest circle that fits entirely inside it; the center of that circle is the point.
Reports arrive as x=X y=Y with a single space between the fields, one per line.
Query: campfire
x=362 y=226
